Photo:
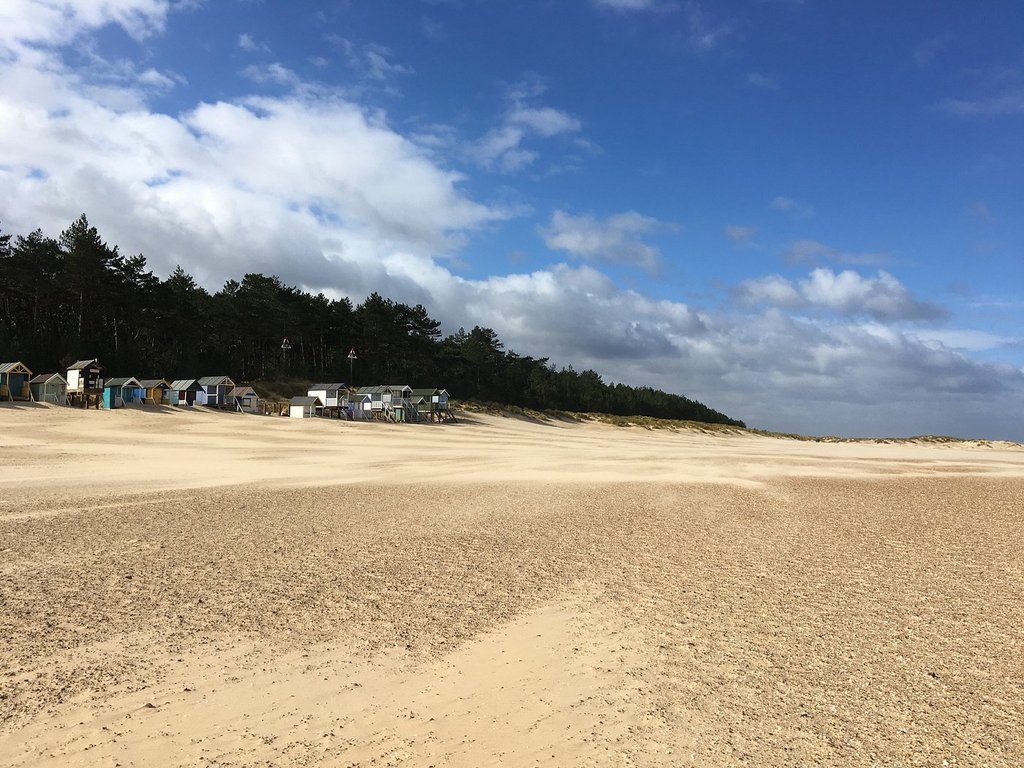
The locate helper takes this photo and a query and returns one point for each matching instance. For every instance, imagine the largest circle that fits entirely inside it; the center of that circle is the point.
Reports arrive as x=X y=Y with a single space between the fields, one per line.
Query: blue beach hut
x=120 y=392
x=14 y=378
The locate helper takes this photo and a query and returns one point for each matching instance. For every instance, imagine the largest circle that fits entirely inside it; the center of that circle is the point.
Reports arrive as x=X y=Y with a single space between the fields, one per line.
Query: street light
x=351 y=357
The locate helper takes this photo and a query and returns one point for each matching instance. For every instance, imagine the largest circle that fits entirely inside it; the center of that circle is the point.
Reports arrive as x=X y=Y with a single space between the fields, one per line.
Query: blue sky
x=807 y=214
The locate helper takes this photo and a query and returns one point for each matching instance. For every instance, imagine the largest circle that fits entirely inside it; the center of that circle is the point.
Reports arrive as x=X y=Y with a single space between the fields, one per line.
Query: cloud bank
x=882 y=297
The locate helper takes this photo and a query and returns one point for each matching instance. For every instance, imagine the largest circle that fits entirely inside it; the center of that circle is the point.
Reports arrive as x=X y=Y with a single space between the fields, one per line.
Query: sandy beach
x=200 y=588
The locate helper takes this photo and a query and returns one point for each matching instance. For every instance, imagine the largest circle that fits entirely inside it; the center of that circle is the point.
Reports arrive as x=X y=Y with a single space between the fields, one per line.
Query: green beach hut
x=49 y=388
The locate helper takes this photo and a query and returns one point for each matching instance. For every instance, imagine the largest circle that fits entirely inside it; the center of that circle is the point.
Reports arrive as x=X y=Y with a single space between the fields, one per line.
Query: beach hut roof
x=179 y=385
x=153 y=383
x=125 y=381
x=216 y=381
x=328 y=387
x=305 y=400
x=425 y=392
x=80 y=364
x=15 y=368
x=243 y=391
x=46 y=378
x=374 y=390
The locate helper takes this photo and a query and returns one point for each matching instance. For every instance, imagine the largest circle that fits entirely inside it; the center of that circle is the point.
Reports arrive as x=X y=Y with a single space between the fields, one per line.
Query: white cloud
x=228 y=179
x=965 y=340
x=625 y=5
x=275 y=73
x=371 y=60
x=808 y=251
x=157 y=80
x=822 y=378
x=249 y=44
x=433 y=30
x=998 y=92
x=545 y=121
x=740 y=234
x=811 y=251
x=761 y=80
x=771 y=289
x=502 y=148
x=702 y=32
x=56 y=22
x=615 y=240
x=997 y=105
x=882 y=297
x=793 y=207
x=705 y=33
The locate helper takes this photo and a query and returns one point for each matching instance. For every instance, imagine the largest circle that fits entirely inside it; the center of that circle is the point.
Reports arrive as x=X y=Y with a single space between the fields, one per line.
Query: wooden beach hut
x=121 y=391
x=303 y=407
x=245 y=399
x=186 y=392
x=85 y=376
x=400 y=402
x=331 y=395
x=217 y=389
x=155 y=391
x=49 y=388
x=431 y=404
x=359 y=406
x=14 y=381
x=374 y=395
x=390 y=402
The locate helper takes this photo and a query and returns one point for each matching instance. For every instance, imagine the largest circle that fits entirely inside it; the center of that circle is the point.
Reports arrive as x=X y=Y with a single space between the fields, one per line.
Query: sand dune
x=197 y=588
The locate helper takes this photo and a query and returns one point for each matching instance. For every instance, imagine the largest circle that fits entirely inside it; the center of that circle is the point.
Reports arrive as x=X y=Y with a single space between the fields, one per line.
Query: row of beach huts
x=85 y=386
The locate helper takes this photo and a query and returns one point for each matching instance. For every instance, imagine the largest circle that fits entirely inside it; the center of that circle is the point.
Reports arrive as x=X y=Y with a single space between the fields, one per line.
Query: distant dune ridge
x=201 y=588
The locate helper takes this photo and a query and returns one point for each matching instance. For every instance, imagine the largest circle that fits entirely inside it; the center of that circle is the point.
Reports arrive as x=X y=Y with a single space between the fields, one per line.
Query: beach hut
x=85 y=375
x=245 y=399
x=390 y=401
x=304 y=407
x=49 y=388
x=155 y=391
x=431 y=403
x=14 y=381
x=217 y=389
x=374 y=397
x=186 y=392
x=399 y=406
x=121 y=391
x=359 y=406
x=331 y=395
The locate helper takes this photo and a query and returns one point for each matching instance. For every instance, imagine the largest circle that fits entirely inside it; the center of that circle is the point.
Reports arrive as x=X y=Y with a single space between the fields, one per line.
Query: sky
x=806 y=214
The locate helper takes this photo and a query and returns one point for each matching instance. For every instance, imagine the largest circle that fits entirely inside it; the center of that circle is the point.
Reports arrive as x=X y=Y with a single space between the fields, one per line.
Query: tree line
x=75 y=296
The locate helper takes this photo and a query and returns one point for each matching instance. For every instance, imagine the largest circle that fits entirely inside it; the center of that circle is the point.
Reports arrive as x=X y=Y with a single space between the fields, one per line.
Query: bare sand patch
x=502 y=593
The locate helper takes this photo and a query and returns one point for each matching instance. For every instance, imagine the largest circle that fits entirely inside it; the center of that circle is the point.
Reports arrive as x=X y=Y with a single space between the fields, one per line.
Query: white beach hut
x=303 y=407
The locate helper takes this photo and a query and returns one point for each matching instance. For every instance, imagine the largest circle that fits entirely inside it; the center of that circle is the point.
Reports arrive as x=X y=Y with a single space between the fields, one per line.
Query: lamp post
x=285 y=346
x=351 y=358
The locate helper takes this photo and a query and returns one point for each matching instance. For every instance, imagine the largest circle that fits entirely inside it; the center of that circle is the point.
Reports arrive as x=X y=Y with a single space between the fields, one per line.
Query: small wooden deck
x=88 y=398
x=274 y=407
x=442 y=416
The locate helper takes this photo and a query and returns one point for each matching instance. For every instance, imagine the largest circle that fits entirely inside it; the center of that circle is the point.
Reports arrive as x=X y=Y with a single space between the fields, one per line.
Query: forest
x=77 y=297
